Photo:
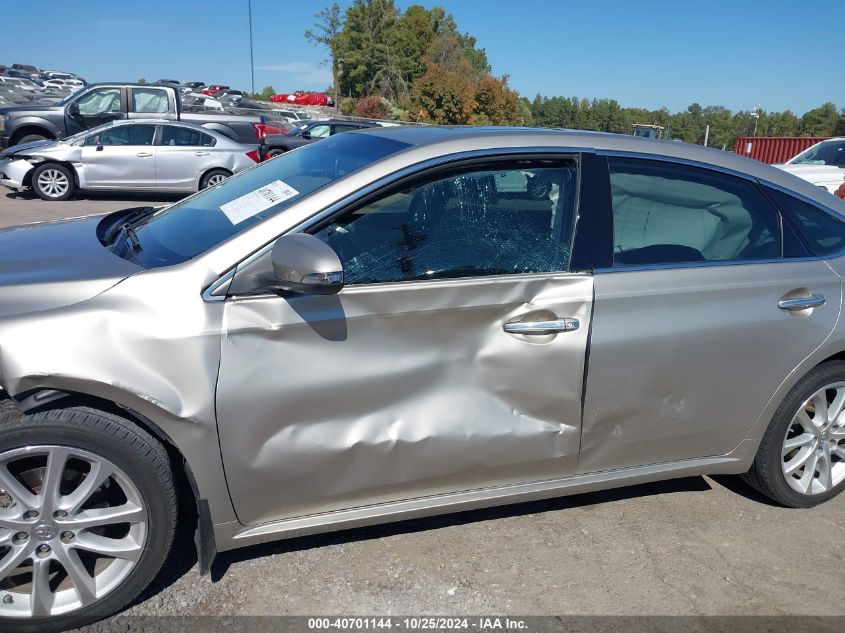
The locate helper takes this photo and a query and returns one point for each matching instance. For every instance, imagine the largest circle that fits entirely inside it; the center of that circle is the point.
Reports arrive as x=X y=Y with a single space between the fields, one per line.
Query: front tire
x=87 y=517
x=52 y=181
x=801 y=459
x=30 y=138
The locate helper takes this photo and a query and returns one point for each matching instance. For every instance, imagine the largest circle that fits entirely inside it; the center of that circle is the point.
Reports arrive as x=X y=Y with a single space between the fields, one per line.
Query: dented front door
x=394 y=391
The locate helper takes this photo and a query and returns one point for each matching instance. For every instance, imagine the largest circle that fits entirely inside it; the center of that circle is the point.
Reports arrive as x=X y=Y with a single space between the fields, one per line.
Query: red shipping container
x=774 y=149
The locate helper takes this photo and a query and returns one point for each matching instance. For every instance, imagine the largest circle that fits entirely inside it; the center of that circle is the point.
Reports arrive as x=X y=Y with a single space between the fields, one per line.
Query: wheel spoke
x=803 y=419
x=835 y=409
x=84 y=583
x=798 y=440
x=42 y=597
x=823 y=466
x=13 y=558
x=839 y=451
x=838 y=432
x=95 y=478
x=821 y=408
x=56 y=460
x=806 y=480
x=16 y=489
x=94 y=517
x=805 y=454
x=126 y=547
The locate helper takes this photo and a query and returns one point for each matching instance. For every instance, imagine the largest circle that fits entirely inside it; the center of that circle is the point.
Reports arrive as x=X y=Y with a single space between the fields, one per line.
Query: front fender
x=32 y=121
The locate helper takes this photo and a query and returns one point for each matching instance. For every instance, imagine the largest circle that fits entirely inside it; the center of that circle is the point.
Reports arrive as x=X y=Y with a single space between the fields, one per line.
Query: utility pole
x=706 y=134
x=251 y=60
x=755 y=112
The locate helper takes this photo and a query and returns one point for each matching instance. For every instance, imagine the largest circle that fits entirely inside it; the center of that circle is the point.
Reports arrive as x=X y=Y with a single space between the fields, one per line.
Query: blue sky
x=651 y=53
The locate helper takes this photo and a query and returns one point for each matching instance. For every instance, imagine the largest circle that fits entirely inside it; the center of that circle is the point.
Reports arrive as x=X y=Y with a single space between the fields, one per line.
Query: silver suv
x=402 y=322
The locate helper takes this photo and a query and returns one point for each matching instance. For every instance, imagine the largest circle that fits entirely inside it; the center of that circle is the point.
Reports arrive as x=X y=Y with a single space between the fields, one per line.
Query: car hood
x=53 y=264
x=56 y=149
x=816 y=173
x=32 y=107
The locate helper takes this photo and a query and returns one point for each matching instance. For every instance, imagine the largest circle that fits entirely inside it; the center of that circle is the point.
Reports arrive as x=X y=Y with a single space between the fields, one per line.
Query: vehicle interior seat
x=665 y=219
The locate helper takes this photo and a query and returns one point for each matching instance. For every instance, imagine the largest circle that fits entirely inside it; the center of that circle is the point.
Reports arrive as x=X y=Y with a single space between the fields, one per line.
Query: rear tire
x=214 y=178
x=140 y=487
x=801 y=459
x=53 y=182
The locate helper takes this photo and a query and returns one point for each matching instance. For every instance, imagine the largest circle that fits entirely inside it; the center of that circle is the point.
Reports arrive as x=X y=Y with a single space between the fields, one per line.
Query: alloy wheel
x=813 y=453
x=53 y=183
x=216 y=179
x=72 y=528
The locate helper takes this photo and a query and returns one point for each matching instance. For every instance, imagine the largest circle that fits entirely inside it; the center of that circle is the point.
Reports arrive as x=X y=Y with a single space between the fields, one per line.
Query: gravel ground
x=693 y=547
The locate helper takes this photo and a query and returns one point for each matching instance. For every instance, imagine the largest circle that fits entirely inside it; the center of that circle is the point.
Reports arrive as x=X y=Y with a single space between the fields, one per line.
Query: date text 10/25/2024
x=435 y=623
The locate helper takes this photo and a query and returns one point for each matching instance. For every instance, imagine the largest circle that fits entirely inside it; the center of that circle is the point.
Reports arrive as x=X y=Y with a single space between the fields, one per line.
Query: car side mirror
x=73 y=109
x=306 y=135
x=302 y=263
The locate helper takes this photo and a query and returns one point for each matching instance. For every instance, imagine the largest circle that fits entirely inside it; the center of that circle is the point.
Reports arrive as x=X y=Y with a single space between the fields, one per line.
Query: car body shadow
x=410 y=526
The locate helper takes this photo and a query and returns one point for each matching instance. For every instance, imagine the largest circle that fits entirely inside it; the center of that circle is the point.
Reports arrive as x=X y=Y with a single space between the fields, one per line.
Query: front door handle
x=801 y=303
x=143 y=154
x=200 y=153
x=542 y=327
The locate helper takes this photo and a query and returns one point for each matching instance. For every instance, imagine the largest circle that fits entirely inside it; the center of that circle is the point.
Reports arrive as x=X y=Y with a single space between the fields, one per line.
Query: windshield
x=188 y=228
x=825 y=153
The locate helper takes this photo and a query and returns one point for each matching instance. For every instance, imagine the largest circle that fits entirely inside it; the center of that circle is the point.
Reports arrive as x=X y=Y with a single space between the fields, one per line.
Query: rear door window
x=666 y=213
x=185 y=137
x=149 y=100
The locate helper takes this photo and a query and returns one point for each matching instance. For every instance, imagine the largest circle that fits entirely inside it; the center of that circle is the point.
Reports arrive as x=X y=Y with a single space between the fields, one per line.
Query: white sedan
x=137 y=155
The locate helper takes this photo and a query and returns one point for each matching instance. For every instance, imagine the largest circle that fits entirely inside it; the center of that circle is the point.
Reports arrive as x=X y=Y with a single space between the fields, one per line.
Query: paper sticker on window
x=255 y=202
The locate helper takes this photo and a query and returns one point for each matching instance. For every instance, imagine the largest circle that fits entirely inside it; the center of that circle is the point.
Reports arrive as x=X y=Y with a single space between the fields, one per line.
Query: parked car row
x=21 y=83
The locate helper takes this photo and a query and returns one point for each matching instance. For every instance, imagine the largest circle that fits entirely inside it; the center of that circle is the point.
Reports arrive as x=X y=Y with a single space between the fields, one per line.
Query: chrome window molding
x=706 y=264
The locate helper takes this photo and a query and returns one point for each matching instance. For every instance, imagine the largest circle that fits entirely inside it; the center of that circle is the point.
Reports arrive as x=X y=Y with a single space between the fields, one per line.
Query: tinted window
x=123 y=135
x=149 y=100
x=345 y=128
x=667 y=213
x=824 y=232
x=319 y=131
x=490 y=222
x=172 y=135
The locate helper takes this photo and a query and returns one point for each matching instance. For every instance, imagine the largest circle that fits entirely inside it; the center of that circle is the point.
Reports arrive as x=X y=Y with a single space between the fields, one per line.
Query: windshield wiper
x=129 y=220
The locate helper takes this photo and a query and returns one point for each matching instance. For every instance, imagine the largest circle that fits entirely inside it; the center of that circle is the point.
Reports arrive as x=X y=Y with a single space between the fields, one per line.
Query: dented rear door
x=398 y=390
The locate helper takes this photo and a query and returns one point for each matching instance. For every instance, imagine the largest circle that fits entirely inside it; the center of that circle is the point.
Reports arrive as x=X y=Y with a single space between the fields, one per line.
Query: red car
x=302 y=98
x=214 y=89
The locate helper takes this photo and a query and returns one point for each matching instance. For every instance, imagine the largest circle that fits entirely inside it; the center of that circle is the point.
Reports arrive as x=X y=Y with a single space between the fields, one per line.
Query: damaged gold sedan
x=402 y=322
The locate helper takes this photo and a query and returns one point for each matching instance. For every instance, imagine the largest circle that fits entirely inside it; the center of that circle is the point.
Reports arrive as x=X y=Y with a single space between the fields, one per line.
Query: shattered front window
x=500 y=221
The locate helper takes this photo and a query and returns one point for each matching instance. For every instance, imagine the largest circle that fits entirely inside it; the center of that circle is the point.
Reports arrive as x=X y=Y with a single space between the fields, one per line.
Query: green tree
x=364 y=44
x=445 y=97
x=820 y=121
x=325 y=33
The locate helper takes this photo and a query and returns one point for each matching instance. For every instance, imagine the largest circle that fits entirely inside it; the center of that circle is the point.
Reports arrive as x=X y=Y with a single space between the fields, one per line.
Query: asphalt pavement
x=694 y=547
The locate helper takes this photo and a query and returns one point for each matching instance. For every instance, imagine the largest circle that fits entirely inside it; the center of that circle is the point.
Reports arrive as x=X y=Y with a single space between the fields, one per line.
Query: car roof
x=454 y=139
x=193 y=126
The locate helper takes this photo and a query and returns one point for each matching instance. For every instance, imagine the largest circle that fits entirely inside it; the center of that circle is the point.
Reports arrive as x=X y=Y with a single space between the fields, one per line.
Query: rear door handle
x=143 y=154
x=542 y=327
x=200 y=153
x=801 y=303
